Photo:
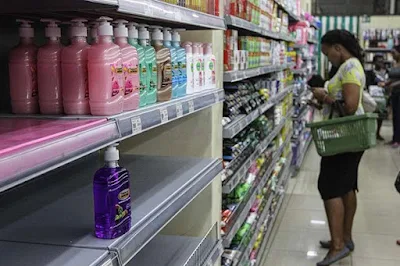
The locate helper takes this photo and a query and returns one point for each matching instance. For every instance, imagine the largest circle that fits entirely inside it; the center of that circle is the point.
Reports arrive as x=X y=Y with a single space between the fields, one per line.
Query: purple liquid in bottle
x=112 y=199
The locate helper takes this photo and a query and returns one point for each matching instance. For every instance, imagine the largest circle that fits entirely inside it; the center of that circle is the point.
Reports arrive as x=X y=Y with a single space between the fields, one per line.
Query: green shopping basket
x=344 y=134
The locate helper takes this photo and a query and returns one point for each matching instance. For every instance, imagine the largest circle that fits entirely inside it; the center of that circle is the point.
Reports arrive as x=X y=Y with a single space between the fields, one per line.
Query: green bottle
x=151 y=63
x=133 y=36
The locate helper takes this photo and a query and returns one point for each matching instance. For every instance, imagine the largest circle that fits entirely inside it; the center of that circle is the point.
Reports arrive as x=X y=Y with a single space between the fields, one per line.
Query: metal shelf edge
x=238 y=75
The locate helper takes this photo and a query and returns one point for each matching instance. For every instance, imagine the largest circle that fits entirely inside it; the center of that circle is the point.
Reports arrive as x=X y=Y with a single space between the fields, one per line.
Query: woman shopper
x=338 y=176
x=394 y=86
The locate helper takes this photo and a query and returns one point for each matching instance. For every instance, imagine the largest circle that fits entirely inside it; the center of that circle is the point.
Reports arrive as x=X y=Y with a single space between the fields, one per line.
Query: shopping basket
x=344 y=134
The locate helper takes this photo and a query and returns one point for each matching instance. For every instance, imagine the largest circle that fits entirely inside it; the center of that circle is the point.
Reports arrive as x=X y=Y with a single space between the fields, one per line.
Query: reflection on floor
x=302 y=221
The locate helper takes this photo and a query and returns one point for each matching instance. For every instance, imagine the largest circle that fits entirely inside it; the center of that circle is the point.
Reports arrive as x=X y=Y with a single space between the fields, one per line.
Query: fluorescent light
x=318 y=222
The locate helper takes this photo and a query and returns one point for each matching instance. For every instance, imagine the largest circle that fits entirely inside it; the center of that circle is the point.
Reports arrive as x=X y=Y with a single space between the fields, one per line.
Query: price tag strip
x=136 y=125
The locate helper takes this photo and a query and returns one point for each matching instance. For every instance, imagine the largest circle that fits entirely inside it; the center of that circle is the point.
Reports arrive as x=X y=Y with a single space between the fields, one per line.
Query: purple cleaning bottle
x=112 y=197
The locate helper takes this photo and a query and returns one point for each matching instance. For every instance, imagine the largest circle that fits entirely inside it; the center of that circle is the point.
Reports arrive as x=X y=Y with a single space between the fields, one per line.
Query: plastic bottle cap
x=143 y=32
x=132 y=30
x=167 y=34
x=105 y=28
x=78 y=27
x=157 y=35
x=52 y=29
x=111 y=154
x=120 y=30
x=207 y=48
x=25 y=29
x=188 y=47
x=94 y=26
x=176 y=37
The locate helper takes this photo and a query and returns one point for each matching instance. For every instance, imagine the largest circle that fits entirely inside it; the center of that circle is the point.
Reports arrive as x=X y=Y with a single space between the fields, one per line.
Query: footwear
x=330 y=260
x=398 y=242
x=327 y=244
x=395 y=145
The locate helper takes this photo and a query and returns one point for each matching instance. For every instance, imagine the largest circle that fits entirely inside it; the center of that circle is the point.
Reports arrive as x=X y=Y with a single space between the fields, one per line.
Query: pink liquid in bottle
x=106 y=87
x=74 y=71
x=49 y=71
x=22 y=71
x=130 y=62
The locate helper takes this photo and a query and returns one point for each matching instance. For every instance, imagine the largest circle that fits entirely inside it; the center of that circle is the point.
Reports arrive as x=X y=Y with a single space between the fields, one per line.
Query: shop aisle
x=302 y=222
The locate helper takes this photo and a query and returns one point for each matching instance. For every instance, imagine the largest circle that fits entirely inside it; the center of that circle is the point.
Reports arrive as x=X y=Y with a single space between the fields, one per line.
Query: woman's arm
x=351 y=96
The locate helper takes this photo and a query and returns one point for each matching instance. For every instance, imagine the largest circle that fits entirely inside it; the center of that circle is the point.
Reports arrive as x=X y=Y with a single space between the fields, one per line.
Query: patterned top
x=352 y=72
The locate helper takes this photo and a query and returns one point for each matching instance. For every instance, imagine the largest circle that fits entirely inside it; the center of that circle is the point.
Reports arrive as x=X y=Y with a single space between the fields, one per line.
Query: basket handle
x=337 y=105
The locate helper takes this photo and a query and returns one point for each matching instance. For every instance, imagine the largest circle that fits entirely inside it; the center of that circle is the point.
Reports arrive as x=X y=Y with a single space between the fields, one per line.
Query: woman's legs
x=350 y=207
x=396 y=118
x=335 y=212
x=378 y=130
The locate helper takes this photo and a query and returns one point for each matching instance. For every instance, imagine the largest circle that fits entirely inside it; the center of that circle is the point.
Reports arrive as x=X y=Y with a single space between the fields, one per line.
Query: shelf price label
x=136 y=124
x=164 y=115
x=179 y=110
x=191 y=106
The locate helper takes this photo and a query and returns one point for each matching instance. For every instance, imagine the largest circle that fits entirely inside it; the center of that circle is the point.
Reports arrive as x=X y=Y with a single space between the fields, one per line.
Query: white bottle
x=197 y=63
x=189 y=67
x=209 y=71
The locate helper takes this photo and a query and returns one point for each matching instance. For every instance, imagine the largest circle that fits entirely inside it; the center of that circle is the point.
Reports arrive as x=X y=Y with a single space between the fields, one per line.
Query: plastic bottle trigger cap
x=25 y=29
x=78 y=27
x=120 y=29
x=52 y=29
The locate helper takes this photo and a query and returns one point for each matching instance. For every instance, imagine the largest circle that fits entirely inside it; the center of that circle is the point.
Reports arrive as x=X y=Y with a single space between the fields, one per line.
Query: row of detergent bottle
x=123 y=69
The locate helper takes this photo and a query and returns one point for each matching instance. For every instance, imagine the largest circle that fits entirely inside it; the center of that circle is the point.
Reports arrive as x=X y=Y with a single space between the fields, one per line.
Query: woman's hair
x=397 y=48
x=346 y=39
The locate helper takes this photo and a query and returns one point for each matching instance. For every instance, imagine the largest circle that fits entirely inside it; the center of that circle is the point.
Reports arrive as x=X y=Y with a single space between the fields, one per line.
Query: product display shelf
x=301 y=71
x=181 y=250
x=61 y=213
x=244 y=259
x=302 y=113
x=234 y=180
x=300 y=159
x=241 y=122
x=292 y=15
x=22 y=254
x=237 y=75
x=34 y=145
x=312 y=41
x=150 y=10
x=227 y=239
x=300 y=46
x=377 y=50
x=247 y=25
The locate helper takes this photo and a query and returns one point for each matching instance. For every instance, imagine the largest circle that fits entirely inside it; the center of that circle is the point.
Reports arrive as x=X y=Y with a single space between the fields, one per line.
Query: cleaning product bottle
x=174 y=61
x=106 y=76
x=181 y=58
x=112 y=197
x=164 y=67
x=189 y=67
x=74 y=72
x=22 y=71
x=94 y=26
x=49 y=71
x=133 y=36
x=151 y=62
x=203 y=70
x=130 y=62
x=209 y=73
x=197 y=72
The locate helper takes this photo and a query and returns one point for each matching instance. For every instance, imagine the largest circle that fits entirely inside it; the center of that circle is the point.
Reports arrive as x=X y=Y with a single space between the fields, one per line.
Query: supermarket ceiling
x=351 y=7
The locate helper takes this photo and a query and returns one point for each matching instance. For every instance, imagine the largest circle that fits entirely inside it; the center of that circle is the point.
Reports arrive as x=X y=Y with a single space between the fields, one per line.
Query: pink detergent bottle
x=74 y=71
x=130 y=62
x=49 y=71
x=106 y=88
x=22 y=71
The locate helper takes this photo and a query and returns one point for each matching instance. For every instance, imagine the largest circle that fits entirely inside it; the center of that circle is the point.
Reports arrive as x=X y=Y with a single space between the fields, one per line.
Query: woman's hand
x=319 y=94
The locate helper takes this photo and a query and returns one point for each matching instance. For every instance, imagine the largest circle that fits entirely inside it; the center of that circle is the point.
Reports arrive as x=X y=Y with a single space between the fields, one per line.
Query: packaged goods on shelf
x=207 y=6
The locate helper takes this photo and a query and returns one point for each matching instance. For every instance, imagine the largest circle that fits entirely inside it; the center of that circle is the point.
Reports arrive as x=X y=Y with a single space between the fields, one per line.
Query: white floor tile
x=374 y=262
x=295 y=258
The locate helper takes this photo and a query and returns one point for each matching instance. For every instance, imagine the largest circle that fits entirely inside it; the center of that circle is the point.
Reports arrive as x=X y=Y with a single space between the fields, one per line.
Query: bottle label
x=117 y=78
x=131 y=74
x=153 y=80
x=167 y=74
x=176 y=73
x=143 y=78
x=120 y=195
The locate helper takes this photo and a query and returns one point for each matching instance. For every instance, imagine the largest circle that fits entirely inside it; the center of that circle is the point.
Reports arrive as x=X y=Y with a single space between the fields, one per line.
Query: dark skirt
x=339 y=174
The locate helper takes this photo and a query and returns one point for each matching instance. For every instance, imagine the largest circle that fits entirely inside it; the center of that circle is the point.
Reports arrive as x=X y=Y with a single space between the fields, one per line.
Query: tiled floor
x=302 y=222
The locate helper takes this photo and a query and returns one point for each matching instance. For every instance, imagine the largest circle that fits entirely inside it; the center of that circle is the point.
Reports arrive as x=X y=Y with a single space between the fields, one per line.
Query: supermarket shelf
x=300 y=46
x=53 y=141
x=303 y=112
x=227 y=239
x=151 y=10
x=312 y=41
x=262 y=217
x=241 y=122
x=181 y=250
x=301 y=71
x=247 y=25
x=287 y=10
x=135 y=122
x=160 y=187
x=22 y=254
x=174 y=13
x=240 y=173
x=303 y=152
x=237 y=75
